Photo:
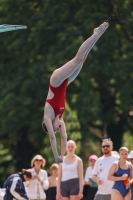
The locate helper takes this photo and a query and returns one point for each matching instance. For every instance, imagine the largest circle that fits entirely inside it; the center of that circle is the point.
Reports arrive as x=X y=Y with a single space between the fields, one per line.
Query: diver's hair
x=27 y=173
x=44 y=126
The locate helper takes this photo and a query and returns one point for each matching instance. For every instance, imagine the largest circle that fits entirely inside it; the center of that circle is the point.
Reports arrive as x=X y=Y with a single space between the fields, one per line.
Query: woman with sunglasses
x=55 y=102
x=121 y=172
x=39 y=181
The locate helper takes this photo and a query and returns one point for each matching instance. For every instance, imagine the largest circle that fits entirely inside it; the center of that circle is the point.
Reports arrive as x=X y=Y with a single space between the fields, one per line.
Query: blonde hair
x=53 y=166
x=123 y=148
x=71 y=141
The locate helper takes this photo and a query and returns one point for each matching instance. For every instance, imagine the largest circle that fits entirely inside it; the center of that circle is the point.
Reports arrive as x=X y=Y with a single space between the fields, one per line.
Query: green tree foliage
x=98 y=101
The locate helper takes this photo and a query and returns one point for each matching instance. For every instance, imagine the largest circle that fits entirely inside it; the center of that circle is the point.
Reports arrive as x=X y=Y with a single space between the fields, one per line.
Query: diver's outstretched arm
x=52 y=138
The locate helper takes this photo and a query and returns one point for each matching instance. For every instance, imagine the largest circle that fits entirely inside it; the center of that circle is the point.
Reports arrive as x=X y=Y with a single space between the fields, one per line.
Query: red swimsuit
x=58 y=101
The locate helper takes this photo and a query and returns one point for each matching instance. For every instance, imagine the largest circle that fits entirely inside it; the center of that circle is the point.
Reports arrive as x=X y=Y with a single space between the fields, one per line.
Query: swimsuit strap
x=129 y=167
x=126 y=163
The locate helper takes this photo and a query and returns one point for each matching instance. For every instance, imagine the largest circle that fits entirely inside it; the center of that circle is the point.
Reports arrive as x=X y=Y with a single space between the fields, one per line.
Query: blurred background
x=99 y=101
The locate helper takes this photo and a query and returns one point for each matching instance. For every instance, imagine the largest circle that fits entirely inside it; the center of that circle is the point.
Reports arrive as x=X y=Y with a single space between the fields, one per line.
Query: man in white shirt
x=101 y=169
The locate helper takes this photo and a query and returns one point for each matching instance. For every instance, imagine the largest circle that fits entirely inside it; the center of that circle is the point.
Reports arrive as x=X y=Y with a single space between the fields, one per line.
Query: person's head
x=57 y=123
x=130 y=156
x=54 y=169
x=71 y=147
x=92 y=159
x=26 y=174
x=107 y=146
x=38 y=161
x=123 y=152
x=115 y=153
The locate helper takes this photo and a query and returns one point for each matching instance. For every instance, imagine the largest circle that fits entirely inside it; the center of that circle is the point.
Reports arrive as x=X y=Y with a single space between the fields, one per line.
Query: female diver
x=55 y=102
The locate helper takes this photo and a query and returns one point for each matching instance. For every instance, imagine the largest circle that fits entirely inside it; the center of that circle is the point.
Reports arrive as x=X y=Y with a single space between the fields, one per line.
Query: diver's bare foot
x=101 y=29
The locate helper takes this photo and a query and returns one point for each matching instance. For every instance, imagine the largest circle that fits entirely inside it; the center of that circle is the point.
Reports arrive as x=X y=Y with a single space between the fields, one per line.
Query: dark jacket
x=14 y=183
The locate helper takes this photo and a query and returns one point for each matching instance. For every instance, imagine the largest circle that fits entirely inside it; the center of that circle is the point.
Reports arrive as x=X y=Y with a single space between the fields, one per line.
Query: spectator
x=130 y=157
x=88 y=178
x=101 y=169
x=51 y=192
x=2 y=193
x=70 y=175
x=14 y=186
x=121 y=172
x=39 y=181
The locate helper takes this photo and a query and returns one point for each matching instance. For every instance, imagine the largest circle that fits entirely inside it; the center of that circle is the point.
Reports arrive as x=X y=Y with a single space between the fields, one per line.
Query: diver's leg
x=67 y=70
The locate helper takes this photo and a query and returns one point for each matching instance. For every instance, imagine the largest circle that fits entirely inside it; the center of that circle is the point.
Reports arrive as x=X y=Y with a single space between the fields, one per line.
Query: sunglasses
x=105 y=146
x=38 y=160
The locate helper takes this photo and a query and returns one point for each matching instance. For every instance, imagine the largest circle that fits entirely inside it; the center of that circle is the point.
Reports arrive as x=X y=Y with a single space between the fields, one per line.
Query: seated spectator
x=51 y=192
x=14 y=186
x=39 y=181
x=88 y=178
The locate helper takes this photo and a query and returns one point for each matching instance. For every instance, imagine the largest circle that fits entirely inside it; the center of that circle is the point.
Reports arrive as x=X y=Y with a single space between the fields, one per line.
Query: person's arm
x=80 y=176
x=95 y=177
x=16 y=184
x=16 y=195
x=63 y=135
x=87 y=175
x=95 y=173
x=44 y=181
x=58 y=193
x=131 y=175
x=48 y=123
x=112 y=170
x=49 y=180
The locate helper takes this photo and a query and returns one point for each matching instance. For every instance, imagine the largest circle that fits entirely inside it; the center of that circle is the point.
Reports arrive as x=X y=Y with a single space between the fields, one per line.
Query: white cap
x=130 y=154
